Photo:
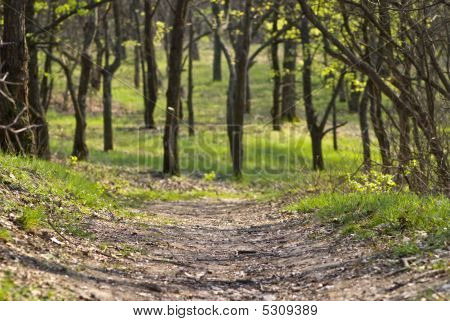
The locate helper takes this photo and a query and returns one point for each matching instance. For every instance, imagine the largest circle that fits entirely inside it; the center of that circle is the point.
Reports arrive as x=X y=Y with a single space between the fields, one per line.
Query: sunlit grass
x=425 y=219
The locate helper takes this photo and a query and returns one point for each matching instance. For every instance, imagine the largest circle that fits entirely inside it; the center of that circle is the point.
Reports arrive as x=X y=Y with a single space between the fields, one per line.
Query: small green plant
x=5 y=235
x=10 y=291
x=373 y=182
x=73 y=160
x=6 y=287
x=209 y=177
x=406 y=249
x=32 y=218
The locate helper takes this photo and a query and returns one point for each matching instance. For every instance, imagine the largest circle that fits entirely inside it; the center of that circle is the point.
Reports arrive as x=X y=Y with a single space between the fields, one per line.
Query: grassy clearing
x=422 y=222
x=272 y=162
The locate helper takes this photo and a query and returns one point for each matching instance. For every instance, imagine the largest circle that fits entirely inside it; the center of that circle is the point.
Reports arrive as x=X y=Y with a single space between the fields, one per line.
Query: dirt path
x=218 y=250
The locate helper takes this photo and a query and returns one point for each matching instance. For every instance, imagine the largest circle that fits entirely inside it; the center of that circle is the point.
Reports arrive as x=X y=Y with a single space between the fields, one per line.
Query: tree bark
x=37 y=112
x=289 y=94
x=311 y=118
x=276 y=111
x=108 y=72
x=379 y=128
x=152 y=68
x=171 y=161
x=137 y=67
x=190 y=96
x=364 y=126
x=217 y=60
x=80 y=149
x=96 y=77
x=236 y=128
x=15 y=59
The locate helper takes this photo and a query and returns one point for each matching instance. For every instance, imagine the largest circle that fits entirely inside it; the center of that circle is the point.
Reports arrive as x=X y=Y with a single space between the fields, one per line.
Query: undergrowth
x=422 y=221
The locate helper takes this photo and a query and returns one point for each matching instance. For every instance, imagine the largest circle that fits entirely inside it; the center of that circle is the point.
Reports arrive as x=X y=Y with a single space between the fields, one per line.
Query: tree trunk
x=152 y=68
x=108 y=73
x=342 y=96
x=311 y=118
x=242 y=48
x=217 y=60
x=379 y=128
x=37 y=112
x=335 y=138
x=317 y=154
x=108 y=143
x=276 y=112
x=171 y=161
x=190 y=96
x=289 y=94
x=364 y=126
x=353 y=101
x=137 y=67
x=80 y=149
x=248 y=94
x=14 y=59
x=46 y=86
x=96 y=77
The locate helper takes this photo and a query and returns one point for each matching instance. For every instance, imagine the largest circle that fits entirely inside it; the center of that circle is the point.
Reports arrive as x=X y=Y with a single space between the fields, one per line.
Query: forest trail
x=218 y=250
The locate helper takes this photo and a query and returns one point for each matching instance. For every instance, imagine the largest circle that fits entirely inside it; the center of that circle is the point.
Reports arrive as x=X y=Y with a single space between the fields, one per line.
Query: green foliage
x=372 y=182
x=9 y=291
x=45 y=180
x=145 y=195
x=405 y=249
x=5 y=235
x=209 y=177
x=374 y=214
x=32 y=218
x=49 y=189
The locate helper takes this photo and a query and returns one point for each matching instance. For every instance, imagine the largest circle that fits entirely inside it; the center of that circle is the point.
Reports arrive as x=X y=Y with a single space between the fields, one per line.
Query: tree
x=289 y=93
x=171 y=161
x=276 y=70
x=151 y=95
x=37 y=110
x=389 y=70
x=316 y=129
x=108 y=72
x=190 y=98
x=217 y=62
x=14 y=59
x=80 y=149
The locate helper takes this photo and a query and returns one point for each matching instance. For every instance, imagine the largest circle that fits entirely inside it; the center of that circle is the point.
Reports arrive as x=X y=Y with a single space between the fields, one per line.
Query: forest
x=224 y=150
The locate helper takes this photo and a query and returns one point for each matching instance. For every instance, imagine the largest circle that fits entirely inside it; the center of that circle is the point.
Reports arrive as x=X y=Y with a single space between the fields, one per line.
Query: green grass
x=48 y=191
x=152 y=195
x=32 y=218
x=9 y=291
x=46 y=179
x=425 y=219
x=271 y=158
x=5 y=235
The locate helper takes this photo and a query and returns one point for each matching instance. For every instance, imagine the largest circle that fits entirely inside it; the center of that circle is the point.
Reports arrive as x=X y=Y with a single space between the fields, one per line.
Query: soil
x=216 y=250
